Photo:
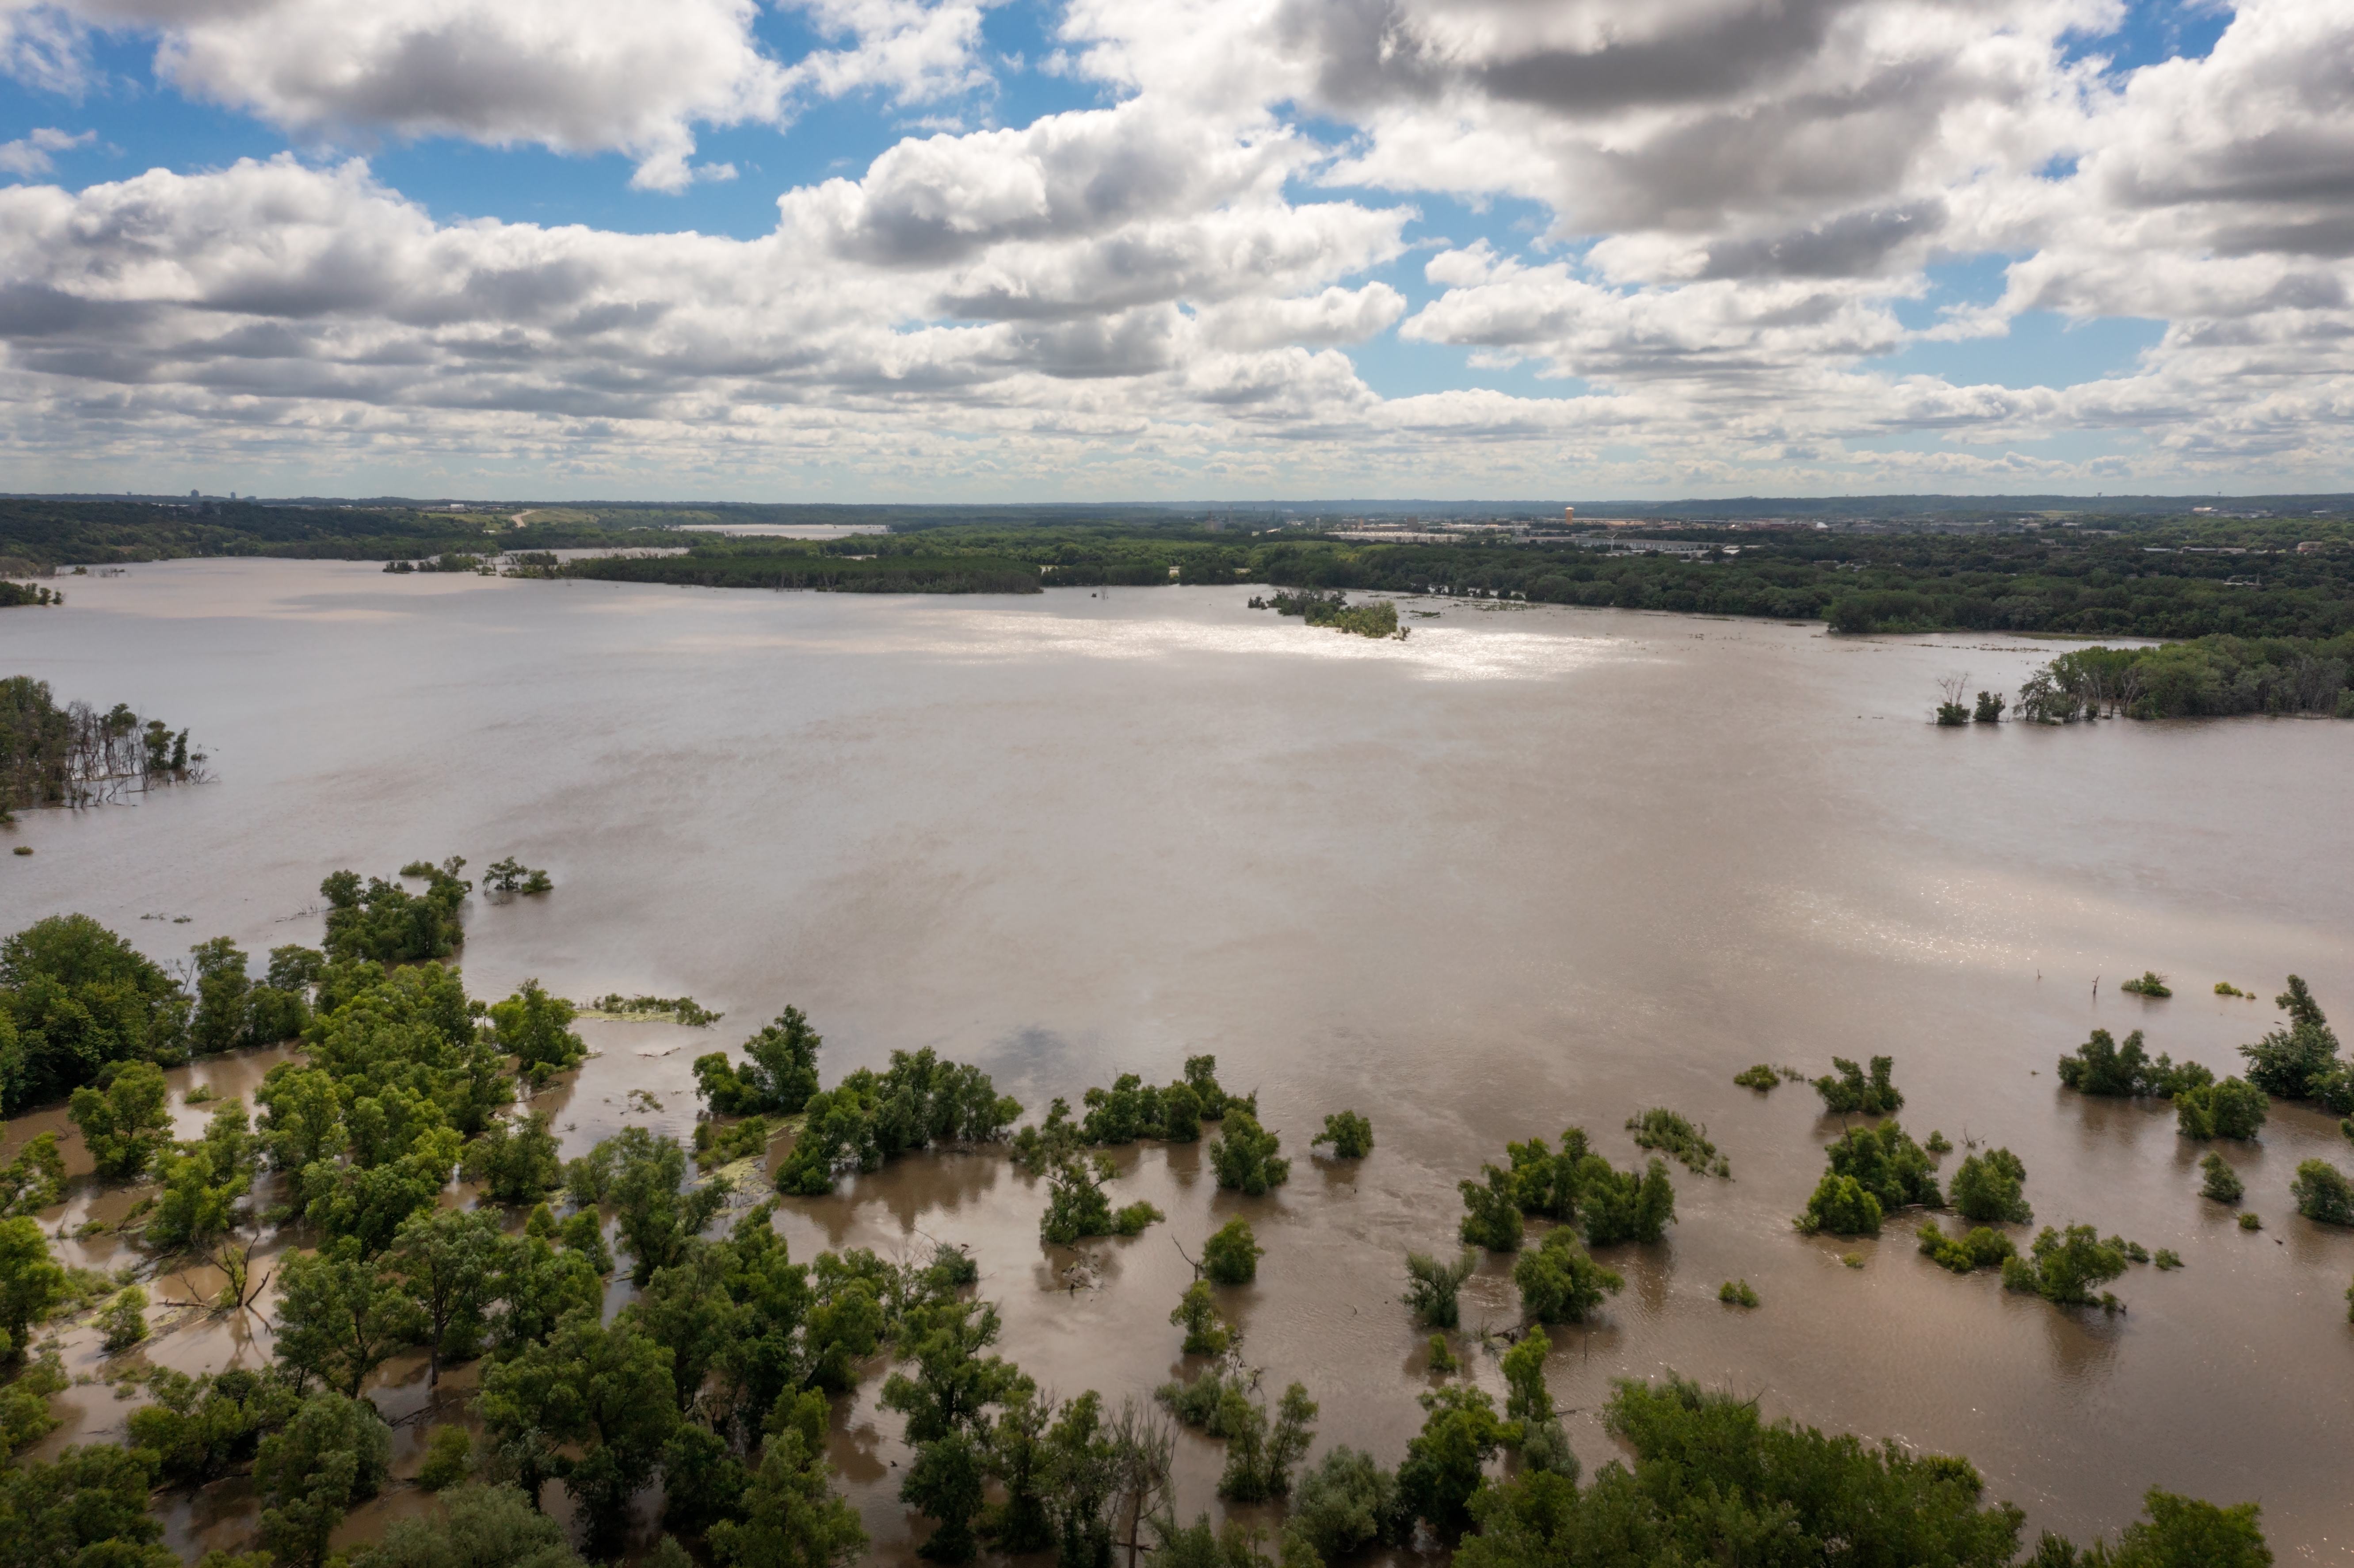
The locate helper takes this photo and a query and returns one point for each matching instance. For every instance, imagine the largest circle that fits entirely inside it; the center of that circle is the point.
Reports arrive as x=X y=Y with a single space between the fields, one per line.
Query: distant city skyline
x=1103 y=251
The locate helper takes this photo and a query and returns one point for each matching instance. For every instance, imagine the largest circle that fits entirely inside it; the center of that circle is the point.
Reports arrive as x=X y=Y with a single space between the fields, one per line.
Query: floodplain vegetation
x=76 y=756
x=717 y=1379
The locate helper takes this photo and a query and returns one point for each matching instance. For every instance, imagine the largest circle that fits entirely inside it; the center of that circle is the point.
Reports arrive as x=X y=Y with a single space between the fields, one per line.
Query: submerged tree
x=1559 y=1283
x=445 y=1261
x=2323 y=1193
x=2064 y=1267
x=1712 y=1477
x=1432 y=1288
x=336 y=1452
x=2222 y=1183
x=515 y=1160
x=1841 y=1206
x=1491 y=1217
x=1246 y=1155
x=2177 y=1532
x=2300 y=1062
x=125 y=1121
x=1446 y=1462
x=656 y=1219
x=1887 y=1163
x=1260 y=1458
x=1346 y=1502
x=1206 y=1332
x=592 y=1406
x=535 y=1029
x=2227 y=1109
x=30 y=1283
x=778 y=1080
x=77 y=998
x=1231 y=1254
x=791 y=1515
x=1989 y=1187
x=339 y=1317
x=478 y=1526
x=2102 y=1066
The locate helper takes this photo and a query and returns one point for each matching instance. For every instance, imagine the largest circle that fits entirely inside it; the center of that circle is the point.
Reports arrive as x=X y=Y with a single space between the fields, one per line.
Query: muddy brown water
x=1528 y=869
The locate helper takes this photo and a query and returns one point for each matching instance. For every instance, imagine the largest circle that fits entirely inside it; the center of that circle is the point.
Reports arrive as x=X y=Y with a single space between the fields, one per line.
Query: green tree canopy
x=77 y=998
x=336 y=1452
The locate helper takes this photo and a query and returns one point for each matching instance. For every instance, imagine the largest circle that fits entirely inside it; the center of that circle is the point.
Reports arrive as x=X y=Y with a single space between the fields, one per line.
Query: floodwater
x=1532 y=868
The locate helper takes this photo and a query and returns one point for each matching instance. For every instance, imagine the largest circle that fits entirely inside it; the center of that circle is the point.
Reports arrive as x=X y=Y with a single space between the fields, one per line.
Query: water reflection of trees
x=2084 y=1342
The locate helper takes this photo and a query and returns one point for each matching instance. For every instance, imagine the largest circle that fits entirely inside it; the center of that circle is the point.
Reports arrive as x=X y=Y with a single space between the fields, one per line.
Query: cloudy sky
x=1175 y=248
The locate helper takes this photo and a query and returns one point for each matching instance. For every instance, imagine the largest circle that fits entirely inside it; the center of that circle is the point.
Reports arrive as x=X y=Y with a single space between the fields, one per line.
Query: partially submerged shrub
x=2324 y=1193
x=124 y=1321
x=2151 y=983
x=1077 y=1209
x=1847 y=1091
x=2300 y=1062
x=1491 y=1216
x=2222 y=1182
x=1231 y=1254
x=449 y=1454
x=1344 y=1503
x=1197 y=1404
x=1432 y=1287
x=2102 y=1066
x=1761 y=1077
x=1350 y=1136
x=1982 y=1248
x=1888 y=1165
x=1206 y=1332
x=1558 y=1282
x=1659 y=1129
x=2251 y=1220
x=2230 y=1108
x=1736 y=1293
x=2168 y=1258
x=1989 y=1187
x=1246 y=1155
x=2066 y=1267
x=1840 y=1207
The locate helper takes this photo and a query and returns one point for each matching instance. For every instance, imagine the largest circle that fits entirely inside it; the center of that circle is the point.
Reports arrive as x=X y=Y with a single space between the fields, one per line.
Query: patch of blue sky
x=1396 y=367
x=2044 y=349
x=142 y=123
x=1976 y=280
x=2155 y=30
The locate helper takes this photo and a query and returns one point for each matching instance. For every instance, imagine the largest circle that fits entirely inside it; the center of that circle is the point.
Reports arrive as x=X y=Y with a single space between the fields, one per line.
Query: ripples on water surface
x=1527 y=869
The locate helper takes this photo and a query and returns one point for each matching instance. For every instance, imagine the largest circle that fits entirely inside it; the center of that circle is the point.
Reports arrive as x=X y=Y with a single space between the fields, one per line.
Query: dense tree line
x=2204 y=676
x=2137 y=581
x=1713 y=1481
x=49 y=533
x=2137 y=584
x=789 y=564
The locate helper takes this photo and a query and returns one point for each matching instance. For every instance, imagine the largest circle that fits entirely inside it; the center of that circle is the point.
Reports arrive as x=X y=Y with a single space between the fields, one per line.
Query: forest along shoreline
x=390 y=1192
